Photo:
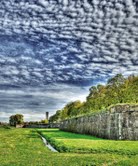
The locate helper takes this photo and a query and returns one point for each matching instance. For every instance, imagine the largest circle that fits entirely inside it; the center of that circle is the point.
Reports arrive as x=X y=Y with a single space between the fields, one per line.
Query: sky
x=52 y=51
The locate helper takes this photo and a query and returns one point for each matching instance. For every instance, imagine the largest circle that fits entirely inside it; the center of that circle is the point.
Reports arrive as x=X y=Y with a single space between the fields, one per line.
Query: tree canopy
x=117 y=90
x=16 y=119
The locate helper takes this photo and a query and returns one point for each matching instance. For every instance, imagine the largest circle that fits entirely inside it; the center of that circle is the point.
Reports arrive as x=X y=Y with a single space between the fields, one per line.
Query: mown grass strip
x=78 y=143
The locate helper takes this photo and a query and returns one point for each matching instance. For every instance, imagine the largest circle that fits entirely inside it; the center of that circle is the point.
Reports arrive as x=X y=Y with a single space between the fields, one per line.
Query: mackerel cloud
x=66 y=41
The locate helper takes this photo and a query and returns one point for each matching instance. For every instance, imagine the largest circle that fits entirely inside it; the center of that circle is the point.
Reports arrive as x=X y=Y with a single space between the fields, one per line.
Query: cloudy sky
x=52 y=51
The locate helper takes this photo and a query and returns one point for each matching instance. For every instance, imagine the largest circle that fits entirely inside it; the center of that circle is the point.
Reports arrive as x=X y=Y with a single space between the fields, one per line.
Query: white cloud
x=36 y=101
x=76 y=42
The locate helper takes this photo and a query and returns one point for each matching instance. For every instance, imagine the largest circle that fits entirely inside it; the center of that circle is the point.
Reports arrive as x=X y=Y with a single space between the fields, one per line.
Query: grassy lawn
x=71 y=142
x=23 y=147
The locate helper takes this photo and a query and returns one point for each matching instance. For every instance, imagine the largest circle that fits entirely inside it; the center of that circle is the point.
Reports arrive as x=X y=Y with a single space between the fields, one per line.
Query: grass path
x=24 y=147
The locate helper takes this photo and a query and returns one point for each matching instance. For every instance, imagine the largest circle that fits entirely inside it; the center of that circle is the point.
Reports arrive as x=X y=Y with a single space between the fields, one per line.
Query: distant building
x=47 y=115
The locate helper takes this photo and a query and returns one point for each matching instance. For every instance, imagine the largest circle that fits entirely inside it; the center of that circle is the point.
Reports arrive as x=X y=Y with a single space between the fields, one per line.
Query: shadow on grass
x=55 y=133
x=33 y=134
x=5 y=126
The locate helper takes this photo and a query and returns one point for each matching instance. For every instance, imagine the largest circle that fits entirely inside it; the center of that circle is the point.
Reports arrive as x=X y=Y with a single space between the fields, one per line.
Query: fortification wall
x=50 y=125
x=119 y=122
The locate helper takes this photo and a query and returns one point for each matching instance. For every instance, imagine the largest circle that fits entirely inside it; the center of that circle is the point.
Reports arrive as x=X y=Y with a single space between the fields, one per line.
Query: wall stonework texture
x=119 y=122
x=50 y=125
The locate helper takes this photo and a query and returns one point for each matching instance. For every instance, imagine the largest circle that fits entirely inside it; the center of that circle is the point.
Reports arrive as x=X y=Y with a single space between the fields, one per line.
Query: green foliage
x=16 y=119
x=24 y=147
x=71 y=109
x=55 y=117
x=117 y=90
x=45 y=121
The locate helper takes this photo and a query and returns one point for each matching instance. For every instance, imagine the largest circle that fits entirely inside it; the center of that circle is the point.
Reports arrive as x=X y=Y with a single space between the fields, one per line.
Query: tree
x=56 y=117
x=93 y=91
x=45 y=121
x=16 y=119
x=117 y=90
x=116 y=81
x=73 y=108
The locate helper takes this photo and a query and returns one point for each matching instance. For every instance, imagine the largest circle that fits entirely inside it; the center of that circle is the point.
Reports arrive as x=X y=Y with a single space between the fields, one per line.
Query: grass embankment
x=78 y=143
x=23 y=147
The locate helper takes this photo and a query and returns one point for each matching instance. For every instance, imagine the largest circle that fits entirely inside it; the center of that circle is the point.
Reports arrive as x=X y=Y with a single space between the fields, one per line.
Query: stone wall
x=119 y=122
x=50 y=125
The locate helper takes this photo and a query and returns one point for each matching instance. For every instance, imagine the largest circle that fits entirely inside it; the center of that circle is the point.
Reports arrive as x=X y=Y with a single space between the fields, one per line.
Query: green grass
x=78 y=143
x=23 y=147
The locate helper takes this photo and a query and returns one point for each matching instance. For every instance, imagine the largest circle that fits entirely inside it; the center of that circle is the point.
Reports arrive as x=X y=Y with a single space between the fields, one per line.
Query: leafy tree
x=56 y=117
x=16 y=119
x=116 y=81
x=45 y=121
x=117 y=90
x=72 y=108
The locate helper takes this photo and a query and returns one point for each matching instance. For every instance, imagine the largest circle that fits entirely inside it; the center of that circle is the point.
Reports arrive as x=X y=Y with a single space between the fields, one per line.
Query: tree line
x=18 y=119
x=117 y=90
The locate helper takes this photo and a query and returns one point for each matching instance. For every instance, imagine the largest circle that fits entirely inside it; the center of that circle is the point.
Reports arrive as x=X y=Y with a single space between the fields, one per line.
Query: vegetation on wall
x=117 y=90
